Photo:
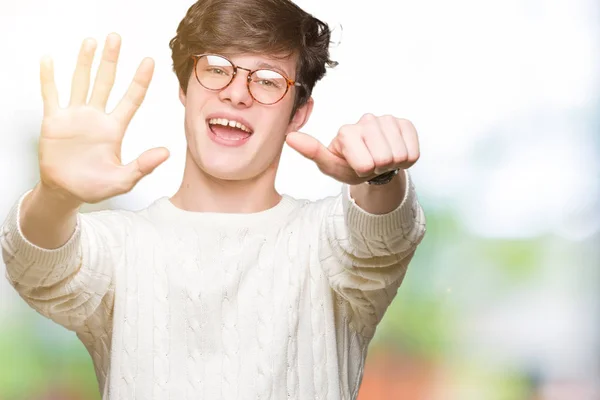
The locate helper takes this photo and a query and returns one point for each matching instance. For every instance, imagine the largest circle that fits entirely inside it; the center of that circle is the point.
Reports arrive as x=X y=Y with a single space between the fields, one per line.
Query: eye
x=268 y=83
x=268 y=79
x=216 y=71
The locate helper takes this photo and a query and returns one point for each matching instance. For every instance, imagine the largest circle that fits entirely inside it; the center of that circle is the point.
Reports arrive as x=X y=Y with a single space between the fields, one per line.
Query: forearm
x=366 y=252
x=380 y=199
x=47 y=219
x=61 y=263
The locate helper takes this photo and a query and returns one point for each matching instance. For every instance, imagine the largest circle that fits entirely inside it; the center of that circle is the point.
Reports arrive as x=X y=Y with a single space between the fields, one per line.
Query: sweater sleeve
x=365 y=256
x=72 y=285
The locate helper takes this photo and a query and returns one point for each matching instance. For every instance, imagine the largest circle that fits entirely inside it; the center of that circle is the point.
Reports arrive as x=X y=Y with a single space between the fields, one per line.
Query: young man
x=226 y=290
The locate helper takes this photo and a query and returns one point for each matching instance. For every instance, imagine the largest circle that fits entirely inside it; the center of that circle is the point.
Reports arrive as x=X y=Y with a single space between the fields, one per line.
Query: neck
x=201 y=192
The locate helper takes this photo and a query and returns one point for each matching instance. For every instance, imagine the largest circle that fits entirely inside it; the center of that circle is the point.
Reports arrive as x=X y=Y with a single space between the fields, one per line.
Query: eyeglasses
x=266 y=86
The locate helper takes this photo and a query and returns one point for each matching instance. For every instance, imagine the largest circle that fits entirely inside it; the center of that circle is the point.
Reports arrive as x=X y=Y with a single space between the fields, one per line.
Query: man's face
x=230 y=153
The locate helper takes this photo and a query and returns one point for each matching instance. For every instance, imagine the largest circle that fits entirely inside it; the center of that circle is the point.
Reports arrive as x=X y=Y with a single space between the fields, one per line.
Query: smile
x=228 y=132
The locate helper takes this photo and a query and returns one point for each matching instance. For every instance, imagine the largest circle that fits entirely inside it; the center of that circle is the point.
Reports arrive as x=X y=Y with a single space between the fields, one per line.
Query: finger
x=80 y=84
x=142 y=166
x=379 y=147
x=367 y=118
x=48 y=86
x=136 y=93
x=105 y=78
x=314 y=150
x=393 y=134
x=411 y=141
x=355 y=150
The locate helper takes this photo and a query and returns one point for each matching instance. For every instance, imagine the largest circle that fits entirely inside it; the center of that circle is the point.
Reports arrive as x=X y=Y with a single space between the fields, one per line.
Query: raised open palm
x=80 y=145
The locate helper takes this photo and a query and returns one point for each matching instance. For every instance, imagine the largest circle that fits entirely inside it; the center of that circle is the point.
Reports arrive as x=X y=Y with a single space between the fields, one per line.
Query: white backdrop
x=458 y=70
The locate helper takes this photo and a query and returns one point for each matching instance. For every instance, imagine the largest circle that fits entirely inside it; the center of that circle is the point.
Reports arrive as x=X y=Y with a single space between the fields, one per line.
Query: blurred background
x=502 y=298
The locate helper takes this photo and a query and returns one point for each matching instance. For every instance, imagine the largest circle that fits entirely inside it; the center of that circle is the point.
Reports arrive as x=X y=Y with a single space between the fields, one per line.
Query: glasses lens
x=267 y=86
x=214 y=72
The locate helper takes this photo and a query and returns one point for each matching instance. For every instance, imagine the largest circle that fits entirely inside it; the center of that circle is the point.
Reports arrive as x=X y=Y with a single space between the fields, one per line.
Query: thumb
x=145 y=164
x=309 y=147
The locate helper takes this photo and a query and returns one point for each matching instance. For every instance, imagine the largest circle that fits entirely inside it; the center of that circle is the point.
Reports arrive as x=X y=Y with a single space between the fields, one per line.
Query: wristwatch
x=384 y=178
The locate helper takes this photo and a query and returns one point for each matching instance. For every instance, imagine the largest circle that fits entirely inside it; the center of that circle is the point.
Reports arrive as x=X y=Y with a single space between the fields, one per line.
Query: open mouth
x=229 y=130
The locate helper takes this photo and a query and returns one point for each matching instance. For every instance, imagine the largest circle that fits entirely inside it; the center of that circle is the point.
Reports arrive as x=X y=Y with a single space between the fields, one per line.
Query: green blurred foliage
x=34 y=364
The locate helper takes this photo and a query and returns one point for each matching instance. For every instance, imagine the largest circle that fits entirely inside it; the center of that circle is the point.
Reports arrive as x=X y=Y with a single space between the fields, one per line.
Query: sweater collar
x=164 y=209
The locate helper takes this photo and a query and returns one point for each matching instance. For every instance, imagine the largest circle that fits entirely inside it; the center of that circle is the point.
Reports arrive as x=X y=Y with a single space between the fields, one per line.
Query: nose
x=237 y=92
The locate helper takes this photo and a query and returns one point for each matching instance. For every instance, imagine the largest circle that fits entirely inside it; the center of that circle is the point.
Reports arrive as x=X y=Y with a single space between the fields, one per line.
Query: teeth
x=226 y=122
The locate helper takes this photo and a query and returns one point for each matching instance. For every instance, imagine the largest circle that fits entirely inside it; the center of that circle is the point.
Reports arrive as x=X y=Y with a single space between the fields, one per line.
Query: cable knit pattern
x=129 y=338
x=161 y=350
x=318 y=325
x=194 y=324
x=264 y=327
x=230 y=336
x=293 y=320
x=171 y=304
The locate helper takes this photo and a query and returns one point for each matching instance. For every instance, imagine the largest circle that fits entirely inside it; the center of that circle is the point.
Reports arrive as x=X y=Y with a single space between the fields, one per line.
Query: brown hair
x=278 y=28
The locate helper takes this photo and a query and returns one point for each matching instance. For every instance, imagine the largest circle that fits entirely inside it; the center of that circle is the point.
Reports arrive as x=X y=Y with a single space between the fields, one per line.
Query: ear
x=301 y=117
x=182 y=96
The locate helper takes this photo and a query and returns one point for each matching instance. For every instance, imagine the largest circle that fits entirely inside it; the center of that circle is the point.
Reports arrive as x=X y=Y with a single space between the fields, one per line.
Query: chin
x=228 y=174
x=224 y=167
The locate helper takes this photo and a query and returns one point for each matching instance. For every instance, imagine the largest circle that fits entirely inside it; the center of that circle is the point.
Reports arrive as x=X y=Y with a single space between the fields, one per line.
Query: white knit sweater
x=171 y=304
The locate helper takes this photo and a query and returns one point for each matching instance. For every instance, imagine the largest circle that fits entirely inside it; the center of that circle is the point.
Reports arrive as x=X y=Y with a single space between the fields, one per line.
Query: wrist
x=46 y=219
x=56 y=200
x=379 y=199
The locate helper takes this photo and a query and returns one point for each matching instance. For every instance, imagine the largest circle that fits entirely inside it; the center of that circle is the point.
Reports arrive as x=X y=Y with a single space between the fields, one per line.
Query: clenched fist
x=364 y=150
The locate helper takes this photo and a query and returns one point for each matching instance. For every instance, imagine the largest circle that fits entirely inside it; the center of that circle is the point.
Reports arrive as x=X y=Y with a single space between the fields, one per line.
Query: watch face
x=383 y=178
